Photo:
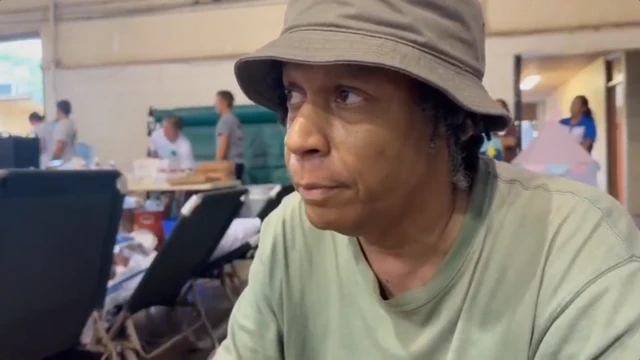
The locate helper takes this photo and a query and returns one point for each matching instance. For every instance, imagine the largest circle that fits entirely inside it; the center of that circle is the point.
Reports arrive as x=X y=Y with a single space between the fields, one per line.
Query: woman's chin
x=333 y=219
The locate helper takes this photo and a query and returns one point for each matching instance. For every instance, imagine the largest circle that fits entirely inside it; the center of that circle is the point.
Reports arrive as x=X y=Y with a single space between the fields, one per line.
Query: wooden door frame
x=612 y=134
x=517 y=98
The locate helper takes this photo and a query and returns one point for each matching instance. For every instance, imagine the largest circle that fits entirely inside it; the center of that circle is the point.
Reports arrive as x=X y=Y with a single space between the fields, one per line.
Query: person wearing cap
x=401 y=241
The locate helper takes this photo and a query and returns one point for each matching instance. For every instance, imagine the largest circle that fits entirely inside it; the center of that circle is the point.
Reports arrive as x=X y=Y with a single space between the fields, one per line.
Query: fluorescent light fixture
x=530 y=82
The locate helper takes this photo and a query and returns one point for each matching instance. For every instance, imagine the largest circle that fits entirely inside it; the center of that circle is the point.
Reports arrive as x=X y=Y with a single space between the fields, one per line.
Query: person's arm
x=590 y=134
x=188 y=161
x=255 y=328
x=223 y=130
x=61 y=135
x=601 y=322
x=152 y=150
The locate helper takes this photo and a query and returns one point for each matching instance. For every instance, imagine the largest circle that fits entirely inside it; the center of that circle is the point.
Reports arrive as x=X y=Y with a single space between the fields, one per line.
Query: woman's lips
x=316 y=193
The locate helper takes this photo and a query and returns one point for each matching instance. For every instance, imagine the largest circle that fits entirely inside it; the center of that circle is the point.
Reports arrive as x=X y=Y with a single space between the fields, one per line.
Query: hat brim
x=324 y=47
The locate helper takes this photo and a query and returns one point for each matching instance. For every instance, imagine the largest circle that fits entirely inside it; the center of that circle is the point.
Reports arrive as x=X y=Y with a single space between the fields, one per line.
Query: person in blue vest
x=581 y=124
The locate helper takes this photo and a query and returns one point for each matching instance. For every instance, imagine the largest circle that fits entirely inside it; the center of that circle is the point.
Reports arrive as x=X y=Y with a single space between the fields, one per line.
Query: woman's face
x=357 y=145
x=577 y=107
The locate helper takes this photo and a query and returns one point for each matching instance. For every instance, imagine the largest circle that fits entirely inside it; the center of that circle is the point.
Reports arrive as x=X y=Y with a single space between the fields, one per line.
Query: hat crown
x=452 y=30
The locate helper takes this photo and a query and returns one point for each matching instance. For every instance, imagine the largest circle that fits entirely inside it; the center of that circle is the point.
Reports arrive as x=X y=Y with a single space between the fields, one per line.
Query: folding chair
x=57 y=232
x=223 y=268
x=168 y=281
x=261 y=206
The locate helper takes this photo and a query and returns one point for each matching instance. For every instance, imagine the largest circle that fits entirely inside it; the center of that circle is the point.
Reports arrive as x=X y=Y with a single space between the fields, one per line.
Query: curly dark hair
x=450 y=123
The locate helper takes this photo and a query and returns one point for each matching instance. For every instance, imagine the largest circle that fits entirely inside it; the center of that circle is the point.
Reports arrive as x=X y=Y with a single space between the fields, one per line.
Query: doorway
x=550 y=82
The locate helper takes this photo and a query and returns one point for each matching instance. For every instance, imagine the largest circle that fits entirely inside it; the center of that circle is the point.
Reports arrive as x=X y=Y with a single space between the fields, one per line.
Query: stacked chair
x=57 y=232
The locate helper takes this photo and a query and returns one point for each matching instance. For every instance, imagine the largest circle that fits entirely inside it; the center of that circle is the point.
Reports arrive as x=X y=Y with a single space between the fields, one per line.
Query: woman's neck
x=416 y=249
x=421 y=233
x=576 y=118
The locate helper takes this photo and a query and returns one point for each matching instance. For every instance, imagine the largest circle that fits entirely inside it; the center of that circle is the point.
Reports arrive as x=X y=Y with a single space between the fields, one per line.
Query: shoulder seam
x=549 y=190
x=563 y=307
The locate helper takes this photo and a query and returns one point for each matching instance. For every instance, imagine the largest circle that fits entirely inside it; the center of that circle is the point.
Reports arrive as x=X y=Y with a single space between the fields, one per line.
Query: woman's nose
x=306 y=135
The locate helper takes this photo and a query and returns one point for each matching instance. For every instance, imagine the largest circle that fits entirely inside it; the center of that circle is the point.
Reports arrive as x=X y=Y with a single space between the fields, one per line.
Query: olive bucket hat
x=438 y=42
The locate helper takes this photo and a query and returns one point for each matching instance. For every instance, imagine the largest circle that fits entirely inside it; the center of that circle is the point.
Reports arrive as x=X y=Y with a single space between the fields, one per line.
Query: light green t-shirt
x=544 y=269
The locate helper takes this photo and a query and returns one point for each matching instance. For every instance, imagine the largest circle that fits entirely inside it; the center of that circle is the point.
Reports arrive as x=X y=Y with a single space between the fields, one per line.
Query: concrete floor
x=218 y=309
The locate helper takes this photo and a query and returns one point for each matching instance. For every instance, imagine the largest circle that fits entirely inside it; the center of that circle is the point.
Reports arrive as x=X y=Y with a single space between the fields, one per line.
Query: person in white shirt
x=168 y=142
x=43 y=130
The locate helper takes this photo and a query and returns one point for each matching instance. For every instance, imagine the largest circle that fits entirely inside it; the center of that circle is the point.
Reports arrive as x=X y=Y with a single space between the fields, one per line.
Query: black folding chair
x=168 y=281
x=57 y=232
x=263 y=206
x=223 y=268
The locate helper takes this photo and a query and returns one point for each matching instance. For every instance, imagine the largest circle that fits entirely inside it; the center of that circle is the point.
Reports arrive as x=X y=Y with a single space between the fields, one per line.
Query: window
x=6 y=90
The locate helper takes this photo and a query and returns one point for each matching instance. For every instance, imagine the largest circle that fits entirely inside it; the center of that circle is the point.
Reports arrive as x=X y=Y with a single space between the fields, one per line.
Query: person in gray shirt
x=229 y=133
x=64 y=133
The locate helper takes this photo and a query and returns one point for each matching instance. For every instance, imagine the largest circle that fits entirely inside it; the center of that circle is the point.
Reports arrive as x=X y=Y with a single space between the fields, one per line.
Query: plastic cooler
x=152 y=221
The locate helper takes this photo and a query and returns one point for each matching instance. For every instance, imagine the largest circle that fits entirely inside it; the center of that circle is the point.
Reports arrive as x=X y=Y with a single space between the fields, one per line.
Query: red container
x=151 y=221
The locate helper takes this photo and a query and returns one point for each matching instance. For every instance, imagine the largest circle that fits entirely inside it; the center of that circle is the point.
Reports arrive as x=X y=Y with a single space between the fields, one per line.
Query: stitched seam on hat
x=457 y=66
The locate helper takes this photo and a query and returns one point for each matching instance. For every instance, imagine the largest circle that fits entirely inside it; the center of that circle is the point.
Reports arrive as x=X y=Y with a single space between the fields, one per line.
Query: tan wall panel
x=522 y=16
x=14 y=115
x=217 y=32
x=7 y=6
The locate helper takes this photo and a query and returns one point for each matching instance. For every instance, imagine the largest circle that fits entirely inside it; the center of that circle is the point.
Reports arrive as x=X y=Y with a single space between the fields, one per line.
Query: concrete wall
x=14 y=115
x=521 y=16
x=590 y=82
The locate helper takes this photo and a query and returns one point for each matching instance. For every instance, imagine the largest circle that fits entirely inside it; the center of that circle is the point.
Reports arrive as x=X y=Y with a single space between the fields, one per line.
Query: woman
x=581 y=123
x=401 y=242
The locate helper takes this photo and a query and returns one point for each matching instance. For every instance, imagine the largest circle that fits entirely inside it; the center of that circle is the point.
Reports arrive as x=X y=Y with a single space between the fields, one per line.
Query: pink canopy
x=554 y=146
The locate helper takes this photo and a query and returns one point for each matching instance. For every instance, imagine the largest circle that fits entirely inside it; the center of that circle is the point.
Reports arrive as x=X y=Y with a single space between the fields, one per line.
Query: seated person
x=169 y=143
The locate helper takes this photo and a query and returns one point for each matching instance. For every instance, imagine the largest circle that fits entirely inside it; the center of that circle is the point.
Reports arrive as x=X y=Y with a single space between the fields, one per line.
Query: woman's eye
x=293 y=97
x=347 y=97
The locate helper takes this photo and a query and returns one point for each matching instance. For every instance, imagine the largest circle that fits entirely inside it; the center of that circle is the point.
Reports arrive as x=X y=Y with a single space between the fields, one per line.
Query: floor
x=218 y=310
